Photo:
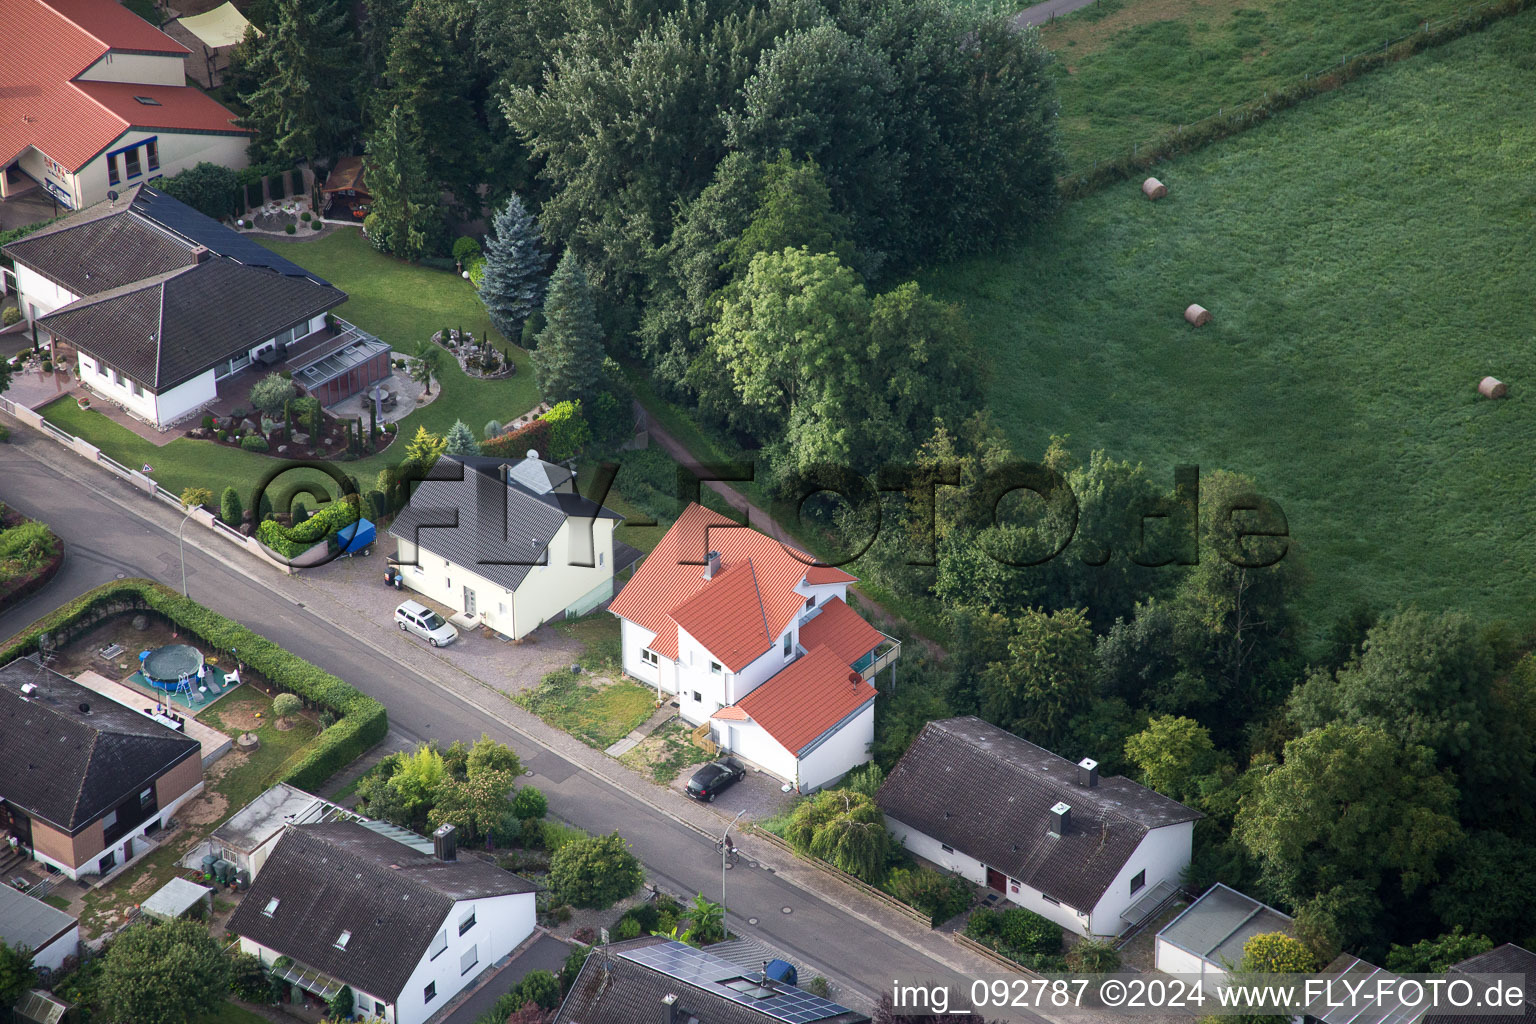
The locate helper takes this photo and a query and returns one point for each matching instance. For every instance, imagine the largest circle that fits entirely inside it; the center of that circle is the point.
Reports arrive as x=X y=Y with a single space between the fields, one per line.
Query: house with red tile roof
x=96 y=99
x=759 y=646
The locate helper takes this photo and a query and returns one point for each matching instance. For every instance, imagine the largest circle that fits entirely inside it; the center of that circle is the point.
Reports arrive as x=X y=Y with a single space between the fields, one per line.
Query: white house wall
x=501 y=924
x=98 y=376
x=839 y=753
x=39 y=295
x=140 y=68
x=634 y=639
x=177 y=151
x=269 y=956
x=52 y=955
x=1163 y=854
x=184 y=398
x=1173 y=960
x=752 y=742
x=437 y=579
x=548 y=590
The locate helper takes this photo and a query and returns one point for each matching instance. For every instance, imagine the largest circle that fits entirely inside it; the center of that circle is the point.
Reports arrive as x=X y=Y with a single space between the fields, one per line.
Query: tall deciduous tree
x=1350 y=804
x=568 y=361
x=512 y=283
x=1047 y=677
x=406 y=219
x=16 y=973
x=165 y=973
x=1173 y=755
x=306 y=104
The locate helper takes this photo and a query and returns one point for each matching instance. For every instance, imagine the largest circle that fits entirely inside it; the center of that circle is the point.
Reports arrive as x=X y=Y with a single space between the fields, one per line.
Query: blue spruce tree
x=512 y=282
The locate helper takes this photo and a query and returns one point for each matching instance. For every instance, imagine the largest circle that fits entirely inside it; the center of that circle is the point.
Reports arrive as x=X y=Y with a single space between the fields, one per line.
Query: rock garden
x=479 y=359
x=283 y=423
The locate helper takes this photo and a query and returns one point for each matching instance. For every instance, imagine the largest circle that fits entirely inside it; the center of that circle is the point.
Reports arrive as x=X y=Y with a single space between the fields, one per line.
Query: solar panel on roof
x=720 y=977
x=182 y=219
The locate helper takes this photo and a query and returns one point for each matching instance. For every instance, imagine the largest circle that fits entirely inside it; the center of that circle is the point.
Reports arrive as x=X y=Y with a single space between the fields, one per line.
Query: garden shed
x=175 y=898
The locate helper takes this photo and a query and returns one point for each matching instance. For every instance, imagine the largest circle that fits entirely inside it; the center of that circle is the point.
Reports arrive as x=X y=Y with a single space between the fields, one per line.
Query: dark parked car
x=708 y=781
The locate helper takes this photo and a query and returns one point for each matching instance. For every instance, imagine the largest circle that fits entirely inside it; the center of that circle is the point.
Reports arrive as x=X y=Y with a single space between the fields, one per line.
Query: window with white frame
x=789 y=643
x=714 y=668
x=467 y=922
x=698 y=698
x=430 y=992
x=438 y=945
x=648 y=657
x=101 y=368
x=469 y=959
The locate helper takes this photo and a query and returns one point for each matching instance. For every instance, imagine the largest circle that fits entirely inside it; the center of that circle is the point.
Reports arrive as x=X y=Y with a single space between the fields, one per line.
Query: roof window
x=148 y=101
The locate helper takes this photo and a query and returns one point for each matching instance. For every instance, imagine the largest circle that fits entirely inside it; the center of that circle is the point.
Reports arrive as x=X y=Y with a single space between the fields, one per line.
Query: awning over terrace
x=356 y=348
x=309 y=979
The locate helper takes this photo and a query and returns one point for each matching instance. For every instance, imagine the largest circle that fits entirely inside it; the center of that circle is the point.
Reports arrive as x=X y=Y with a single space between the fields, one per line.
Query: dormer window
x=270 y=910
x=343 y=939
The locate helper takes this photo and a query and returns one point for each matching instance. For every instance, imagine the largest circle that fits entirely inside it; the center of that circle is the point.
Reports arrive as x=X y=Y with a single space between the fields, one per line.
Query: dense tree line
x=1380 y=790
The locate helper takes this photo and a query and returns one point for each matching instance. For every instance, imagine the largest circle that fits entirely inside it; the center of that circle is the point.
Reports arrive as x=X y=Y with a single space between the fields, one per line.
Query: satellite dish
x=85 y=708
x=112 y=195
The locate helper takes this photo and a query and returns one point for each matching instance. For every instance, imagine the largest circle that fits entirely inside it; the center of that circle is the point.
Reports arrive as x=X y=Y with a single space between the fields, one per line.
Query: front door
x=469 y=601
x=997 y=880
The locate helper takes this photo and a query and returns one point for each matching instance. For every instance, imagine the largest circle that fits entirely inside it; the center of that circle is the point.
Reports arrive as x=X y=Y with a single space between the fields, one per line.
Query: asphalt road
x=104 y=540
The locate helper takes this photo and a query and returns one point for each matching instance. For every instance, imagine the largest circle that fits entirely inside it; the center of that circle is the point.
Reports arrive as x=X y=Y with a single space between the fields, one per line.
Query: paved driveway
x=547 y=953
x=358 y=583
x=31 y=207
x=758 y=794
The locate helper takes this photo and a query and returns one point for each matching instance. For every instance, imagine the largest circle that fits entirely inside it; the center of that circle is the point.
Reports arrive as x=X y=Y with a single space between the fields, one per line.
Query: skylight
x=341 y=942
x=148 y=101
x=271 y=907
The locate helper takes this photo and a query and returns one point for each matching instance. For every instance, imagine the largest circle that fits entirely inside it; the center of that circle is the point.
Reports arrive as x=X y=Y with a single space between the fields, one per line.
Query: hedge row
x=293 y=541
x=361 y=720
x=515 y=444
x=1186 y=139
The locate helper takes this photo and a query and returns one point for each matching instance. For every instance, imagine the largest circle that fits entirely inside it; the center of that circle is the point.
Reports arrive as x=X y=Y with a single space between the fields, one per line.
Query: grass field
x=1368 y=258
x=598 y=715
x=400 y=303
x=1129 y=70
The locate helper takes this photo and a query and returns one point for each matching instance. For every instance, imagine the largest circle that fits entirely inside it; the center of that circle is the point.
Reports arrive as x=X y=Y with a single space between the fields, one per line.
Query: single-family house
x=94 y=98
x=654 y=980
x=1207 y=937
x=85 y=782
x=507 y=543
x=756 y=639
x=49 y=933
x=341 y=905
x=1094 y=855
x=162 y=309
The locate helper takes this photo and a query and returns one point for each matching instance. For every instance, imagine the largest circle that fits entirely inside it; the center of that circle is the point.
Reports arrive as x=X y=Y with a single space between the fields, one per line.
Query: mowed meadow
x=1129 y=70
x=1368 y=258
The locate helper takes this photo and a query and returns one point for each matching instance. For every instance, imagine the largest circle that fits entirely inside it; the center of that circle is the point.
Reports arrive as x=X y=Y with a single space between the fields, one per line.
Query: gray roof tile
x=340 y=876
x=988 y=794
x=68 y=767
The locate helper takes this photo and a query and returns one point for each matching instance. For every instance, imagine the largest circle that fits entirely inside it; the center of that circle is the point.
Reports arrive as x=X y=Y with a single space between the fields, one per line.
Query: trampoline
x=167 y=666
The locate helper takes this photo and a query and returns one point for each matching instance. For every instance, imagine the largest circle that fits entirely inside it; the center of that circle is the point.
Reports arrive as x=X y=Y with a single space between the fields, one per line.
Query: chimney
x=672 y=1012
x=200 y=254
x=445 y=843
x=28 y=689
x=1088 y=773
x=713 y=567
x=1061 y=819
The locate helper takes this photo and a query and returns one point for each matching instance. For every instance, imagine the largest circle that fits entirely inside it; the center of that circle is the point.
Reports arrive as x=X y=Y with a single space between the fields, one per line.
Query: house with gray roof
x=1094 y=855
x=654 y=980
x=161 y=309
x=85 y=782
x=507 y=543
x=342 y=905
x=1207 y=937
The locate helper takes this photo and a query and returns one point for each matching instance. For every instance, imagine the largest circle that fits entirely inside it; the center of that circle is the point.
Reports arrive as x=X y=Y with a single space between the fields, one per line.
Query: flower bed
x=477 y=358
x=244 y=432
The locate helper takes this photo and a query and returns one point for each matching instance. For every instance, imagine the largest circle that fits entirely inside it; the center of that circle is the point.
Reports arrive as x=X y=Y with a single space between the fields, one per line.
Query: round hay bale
x=1154 y=189
x=1492 y=387
x=1197 y=314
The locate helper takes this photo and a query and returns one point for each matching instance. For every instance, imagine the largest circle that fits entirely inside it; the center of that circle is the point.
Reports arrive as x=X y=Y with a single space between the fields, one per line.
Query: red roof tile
x=812 y=695
x=727 y=617
x=666 y=582
x=732 y=713
x=843 y=630
x=40 y=103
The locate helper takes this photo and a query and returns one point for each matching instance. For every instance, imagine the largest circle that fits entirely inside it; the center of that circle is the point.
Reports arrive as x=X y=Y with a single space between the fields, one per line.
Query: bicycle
x=728 y=852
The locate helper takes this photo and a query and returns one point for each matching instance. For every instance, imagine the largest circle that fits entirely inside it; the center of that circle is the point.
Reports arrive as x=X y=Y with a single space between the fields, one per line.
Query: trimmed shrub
x=515 y=444
x=289 y=228
x=595 y=872
x=305 y=216
x=286 y=705
x=362 y=722
x=252 y=194
x=314 y=225
x=254 y=443
x=466 y=249
x=11 y=316
x=568 y=430
x=290 y=542
x=529 y=803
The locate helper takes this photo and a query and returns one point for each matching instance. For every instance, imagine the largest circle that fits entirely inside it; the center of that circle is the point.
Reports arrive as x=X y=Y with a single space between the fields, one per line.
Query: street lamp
x=725 y=924
x=181 y=544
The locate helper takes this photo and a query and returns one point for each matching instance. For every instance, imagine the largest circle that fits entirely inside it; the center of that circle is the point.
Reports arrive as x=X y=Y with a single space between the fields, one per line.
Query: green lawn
x=1129 y=70
x=400 y=303
x=1367 y=258
x=230 y=1013
x=597 y=715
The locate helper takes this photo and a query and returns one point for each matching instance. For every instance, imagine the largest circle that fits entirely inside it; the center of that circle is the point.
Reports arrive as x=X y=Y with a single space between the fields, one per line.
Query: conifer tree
x=569 y=358
x=306 y=105
x=405 y=211
x=512 y=283
x=461 y=440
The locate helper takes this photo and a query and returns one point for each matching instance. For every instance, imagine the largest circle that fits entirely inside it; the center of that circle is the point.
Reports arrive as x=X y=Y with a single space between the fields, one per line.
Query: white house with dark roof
x=757 y=640
x=404 y=929
x=161 y=308
x=507 y=543
x=85 y=782
x=1094 y=855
